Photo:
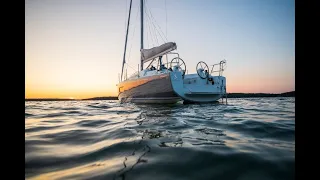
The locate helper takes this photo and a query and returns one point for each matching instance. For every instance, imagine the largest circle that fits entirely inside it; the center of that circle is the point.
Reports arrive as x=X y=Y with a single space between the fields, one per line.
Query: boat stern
x=192 y=88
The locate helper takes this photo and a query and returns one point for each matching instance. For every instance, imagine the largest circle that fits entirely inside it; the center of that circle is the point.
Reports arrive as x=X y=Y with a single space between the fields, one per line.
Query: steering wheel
x=204 y=67
x=180 y=63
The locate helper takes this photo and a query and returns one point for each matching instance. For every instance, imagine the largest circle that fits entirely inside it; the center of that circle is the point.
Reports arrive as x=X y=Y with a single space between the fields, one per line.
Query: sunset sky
x=74 y=48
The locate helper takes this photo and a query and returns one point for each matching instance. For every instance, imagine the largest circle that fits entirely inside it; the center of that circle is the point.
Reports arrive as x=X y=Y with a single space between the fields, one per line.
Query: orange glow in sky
x=74 y=49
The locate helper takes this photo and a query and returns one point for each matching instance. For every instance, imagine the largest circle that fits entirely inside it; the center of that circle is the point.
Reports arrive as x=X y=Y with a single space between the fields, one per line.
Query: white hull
x=192 y=88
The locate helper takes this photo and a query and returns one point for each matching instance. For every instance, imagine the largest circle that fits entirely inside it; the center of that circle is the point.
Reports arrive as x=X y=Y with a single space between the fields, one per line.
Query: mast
x=141 y=8
x=125 y=45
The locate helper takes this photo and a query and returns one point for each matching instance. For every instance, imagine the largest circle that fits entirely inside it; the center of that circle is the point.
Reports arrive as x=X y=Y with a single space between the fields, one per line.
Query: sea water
x=247 y=138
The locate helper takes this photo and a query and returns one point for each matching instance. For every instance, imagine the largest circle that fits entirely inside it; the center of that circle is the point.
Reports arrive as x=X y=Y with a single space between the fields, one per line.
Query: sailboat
x=169 y=82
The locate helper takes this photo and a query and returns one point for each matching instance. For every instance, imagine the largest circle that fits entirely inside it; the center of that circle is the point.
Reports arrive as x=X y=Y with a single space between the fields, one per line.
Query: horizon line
x=117 y=96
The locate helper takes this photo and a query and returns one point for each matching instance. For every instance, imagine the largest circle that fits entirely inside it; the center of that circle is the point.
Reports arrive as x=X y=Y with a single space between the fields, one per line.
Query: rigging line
x=151 y=34
x=154 y=28
x=148 y=26
x=148 y=23
x=159 y=35
x=135 y=25
x=131 y=67
x=146 y=29
x=154 y=32
x=157 y=31
x=147 y=38
x=149 y=14
x=165 y=5
x=157 y=24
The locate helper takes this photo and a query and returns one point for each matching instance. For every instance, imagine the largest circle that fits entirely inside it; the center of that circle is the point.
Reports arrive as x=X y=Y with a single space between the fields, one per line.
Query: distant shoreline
x=252 y=95
x=229 y=95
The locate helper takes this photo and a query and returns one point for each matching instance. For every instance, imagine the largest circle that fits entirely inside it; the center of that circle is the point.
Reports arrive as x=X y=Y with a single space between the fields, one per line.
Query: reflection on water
x=77 y=172
x=246 y=139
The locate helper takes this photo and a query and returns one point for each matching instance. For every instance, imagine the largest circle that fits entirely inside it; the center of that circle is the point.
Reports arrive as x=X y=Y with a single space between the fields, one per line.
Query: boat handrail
x=221 y=67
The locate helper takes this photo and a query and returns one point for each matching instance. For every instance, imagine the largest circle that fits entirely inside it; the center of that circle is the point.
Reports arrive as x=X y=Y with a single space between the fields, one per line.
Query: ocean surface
x=248 y=138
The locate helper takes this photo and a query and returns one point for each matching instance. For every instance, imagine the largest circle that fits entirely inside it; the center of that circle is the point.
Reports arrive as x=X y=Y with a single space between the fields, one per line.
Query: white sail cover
x=149 y=54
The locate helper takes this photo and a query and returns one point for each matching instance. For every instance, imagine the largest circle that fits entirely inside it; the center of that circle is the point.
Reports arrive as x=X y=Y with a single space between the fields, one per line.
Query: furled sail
x=149 y=54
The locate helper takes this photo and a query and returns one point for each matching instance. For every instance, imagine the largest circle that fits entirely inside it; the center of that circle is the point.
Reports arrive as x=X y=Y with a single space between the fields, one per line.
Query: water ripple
x=249 y=138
